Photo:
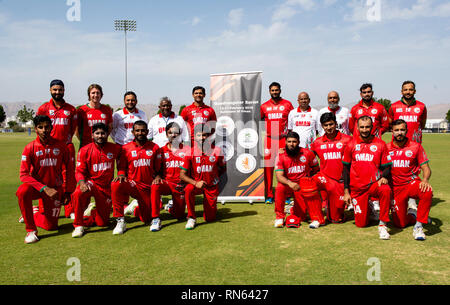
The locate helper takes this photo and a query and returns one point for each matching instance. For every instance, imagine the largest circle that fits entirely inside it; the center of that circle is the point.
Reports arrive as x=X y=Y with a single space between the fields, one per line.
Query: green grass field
x=241 y=248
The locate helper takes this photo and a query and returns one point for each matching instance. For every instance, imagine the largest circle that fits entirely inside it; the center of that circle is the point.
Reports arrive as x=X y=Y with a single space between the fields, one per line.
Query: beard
x=292 y=152
x=58 y=97
x=333 y=106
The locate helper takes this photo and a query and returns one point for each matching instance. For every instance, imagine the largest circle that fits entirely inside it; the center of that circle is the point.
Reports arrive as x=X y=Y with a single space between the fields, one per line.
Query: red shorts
x=401 y=195
x=360 y=200
x=177 y=192
x=120 y=195
x=209 y=201
x=49 y=209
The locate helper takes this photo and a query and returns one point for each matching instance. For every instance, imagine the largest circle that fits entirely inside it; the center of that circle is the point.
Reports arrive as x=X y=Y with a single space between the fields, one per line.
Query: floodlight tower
x=125 y=25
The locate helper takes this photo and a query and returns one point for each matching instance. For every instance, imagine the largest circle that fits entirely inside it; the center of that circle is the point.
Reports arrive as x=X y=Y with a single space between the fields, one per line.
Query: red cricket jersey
x=330 y=153
x=366 y=160
x=276 y=117
x=296 y=167
x=172 y=161
x=88 y=116
x=194 y=115
x=140 y=163
x=378 y=114
x=406 y=162
x=413 y=115
x=64 y=120
x=205 y=166
x=42 y=165
x=97 y=163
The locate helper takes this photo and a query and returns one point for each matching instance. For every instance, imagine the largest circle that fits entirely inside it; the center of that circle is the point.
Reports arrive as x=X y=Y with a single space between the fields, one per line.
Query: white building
x=437 y=125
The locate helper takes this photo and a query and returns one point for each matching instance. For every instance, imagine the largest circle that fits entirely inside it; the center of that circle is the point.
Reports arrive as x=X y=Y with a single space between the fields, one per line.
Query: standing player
x=413 y=112
x=293 y=167
x=275 y=113
x=198 y=112
x=201 y=171
x=124 y=119
x=94 y=173
x=158 y=124
x=43 y=162
x=367 y=167
x=304 y=120
x=368 y=107
x=408 y=159
x=64 y=123
x=139 y=163
x=342 y=113
x=91 y=113
x=172 y=158
x=330 y=150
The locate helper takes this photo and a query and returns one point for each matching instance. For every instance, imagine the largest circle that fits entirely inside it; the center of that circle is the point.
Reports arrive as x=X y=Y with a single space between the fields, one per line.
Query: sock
x=382 y=223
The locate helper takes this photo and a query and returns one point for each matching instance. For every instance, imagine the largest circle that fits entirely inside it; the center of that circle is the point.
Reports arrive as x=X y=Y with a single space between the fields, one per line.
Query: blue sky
x=306 y=45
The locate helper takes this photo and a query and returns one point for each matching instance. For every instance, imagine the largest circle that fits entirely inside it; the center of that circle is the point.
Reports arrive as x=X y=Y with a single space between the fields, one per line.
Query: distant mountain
x=437 y=111
x=11 y=109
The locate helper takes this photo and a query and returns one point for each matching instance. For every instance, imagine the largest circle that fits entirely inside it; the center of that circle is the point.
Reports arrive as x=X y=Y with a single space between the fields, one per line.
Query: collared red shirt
x=275 y=116
x=413 y=115
x=88 y=116
x=296 y=167
x=378 y=114
x=64 y=120
x=194 y=115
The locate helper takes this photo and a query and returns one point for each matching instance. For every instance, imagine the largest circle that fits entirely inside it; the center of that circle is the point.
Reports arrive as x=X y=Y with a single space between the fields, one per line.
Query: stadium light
x=125 y=25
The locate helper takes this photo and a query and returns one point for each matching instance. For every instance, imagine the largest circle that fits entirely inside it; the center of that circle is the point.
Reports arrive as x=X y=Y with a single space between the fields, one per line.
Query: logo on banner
x=248 y=138
x=225 y=126
x=246 y=163
x=227 y=150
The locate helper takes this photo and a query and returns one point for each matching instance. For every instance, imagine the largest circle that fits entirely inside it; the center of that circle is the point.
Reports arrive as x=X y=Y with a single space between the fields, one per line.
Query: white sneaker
x=72 y=216
x=190 y=223
x=129 y=210
x=314 y=225
x=121 y=226
x=279 y=223
x=383 y=231
x=89 y=209
x=169 y=205
x=156 y=225
x=350 y=207
x=375 y=205
x=21 y=220
x=78 y=232
x=418 y=233
x=31 y=237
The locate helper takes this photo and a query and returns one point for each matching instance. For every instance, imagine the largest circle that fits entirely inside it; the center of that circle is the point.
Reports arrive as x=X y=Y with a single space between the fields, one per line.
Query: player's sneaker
x=129 y=210
x=350 y=207
x=375 y=205
x=78 y=232
x=156 y=225
x=279 y=223
x=121 y=226
x=418 y=233
x=72 y=216
x=21 y=220
x=31 y=237
x=168 y=206
x=383 y=232
x=190 y=223
x=269 y=200
x=314 y=224
x=89 y=209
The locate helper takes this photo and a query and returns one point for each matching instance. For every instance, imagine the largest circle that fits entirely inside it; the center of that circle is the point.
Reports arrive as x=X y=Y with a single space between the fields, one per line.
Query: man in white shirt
x=342 y=113
x=157 y=124
x=124 y=119
x=304 y=120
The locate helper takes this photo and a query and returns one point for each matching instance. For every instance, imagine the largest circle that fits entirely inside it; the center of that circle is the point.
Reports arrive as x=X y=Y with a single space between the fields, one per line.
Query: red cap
x=292 y=221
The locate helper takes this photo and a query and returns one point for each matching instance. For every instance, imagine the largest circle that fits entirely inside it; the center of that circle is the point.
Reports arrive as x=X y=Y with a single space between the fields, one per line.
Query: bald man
x=342 y=113
x=304 y=120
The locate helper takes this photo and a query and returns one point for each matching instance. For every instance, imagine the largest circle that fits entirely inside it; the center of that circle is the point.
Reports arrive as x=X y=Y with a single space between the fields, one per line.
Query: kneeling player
x=408 y=158
x=94 y=173
x=293 y=169
x=172 y=157
x=201 y=170
x=330 y=149
x=367 y=166
x=139 y=163
x=43 y=162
